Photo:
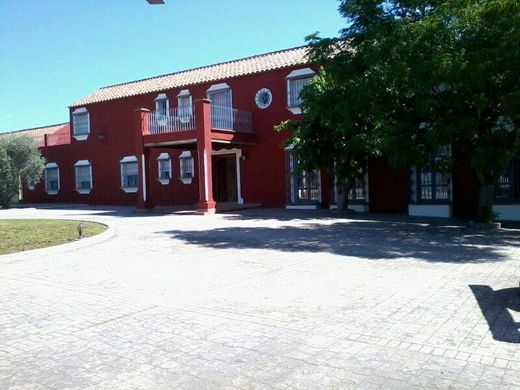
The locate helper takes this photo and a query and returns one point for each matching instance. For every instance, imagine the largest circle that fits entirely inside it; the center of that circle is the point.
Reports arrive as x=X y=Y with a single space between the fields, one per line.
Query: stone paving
x=262 y=299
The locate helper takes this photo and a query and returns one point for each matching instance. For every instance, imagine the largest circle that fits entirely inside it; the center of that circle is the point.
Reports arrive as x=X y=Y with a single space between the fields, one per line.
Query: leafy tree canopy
x=406 y=77
x=20 y=162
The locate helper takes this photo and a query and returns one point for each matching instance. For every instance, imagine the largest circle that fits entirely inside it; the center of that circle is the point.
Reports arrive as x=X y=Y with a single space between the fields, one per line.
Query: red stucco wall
x=263 y=176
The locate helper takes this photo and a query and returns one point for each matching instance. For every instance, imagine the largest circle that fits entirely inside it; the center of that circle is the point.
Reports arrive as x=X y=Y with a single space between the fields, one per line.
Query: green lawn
x=17 y=235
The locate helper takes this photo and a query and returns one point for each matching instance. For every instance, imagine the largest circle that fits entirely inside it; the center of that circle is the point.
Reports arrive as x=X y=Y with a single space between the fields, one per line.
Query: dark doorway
x=224 y=178
x=389 y=189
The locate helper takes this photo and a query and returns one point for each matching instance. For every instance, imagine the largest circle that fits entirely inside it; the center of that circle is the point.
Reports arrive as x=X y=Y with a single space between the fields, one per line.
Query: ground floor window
x=52 y=178
x=508 y=187
x=83 y=170
x=433 y=186
x=358 y=191
x=164 y=168
x=430 y=184
x=186 y=167
x=129 y=174
x=303 y=187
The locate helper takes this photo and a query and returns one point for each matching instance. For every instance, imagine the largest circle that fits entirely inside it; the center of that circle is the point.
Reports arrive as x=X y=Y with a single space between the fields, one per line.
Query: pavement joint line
x=456 y=351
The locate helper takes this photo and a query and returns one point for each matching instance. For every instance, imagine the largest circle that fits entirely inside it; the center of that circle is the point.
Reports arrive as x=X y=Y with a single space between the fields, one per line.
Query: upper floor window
x=129 y=174
x=80 y=124
x=83 y=171
x=221 y=106
x=52 y=178
x=187 y=168
x=164 y=168
x=162 y=104
x=296 y=81
x=220 y=95
x=508 y=187
x=184 y=104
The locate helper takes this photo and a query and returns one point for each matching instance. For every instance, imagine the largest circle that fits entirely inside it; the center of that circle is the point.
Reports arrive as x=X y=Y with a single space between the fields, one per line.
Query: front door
x=389 y=189
x=224 y=178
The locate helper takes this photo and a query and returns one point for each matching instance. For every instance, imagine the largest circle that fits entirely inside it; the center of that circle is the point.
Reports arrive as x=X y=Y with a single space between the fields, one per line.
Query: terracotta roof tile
x=225 y=70
x=38 y=132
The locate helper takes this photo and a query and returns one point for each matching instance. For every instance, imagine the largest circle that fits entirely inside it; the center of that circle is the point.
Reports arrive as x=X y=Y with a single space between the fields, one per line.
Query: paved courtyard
x=262 y=299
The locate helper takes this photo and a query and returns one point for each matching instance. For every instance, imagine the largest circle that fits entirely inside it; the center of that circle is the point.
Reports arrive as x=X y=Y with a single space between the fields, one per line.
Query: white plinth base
x=507 y=212
x=430 y=210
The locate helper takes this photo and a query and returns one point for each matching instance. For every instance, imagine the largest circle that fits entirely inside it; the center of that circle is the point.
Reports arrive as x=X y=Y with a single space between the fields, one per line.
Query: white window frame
x=126 y=160
x=162 y=97
x=186 y=158
x=83 y=163
x=76 y=113
x=219 y=88
x=164 y=157
x=305 y=73
x=52 y=166
x=184 y=117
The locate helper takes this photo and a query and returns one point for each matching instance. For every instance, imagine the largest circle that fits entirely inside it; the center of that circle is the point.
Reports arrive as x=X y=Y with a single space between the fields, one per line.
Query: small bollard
x=80 y=231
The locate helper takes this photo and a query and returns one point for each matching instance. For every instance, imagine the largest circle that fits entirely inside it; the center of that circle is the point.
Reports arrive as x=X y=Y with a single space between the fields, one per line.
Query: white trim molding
x=301 y=73
x=218 y=87
x=430 y=210
x=238 y=155
x=128 y=159
x=358 y=208
x=184 y=93
x=143 y=170
x=507 y=212
x=302 y=206
x=160 y=158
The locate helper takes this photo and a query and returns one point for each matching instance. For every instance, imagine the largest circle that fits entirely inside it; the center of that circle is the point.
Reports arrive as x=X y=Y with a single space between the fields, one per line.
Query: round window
x=263 y=98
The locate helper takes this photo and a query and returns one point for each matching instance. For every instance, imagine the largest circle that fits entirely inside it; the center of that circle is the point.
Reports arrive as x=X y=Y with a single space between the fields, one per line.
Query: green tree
x=20 y=162
x=418 y=75
x=335 y=134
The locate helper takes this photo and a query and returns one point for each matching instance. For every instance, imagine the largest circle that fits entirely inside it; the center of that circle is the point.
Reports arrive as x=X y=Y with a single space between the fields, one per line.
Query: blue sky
x=53 y=52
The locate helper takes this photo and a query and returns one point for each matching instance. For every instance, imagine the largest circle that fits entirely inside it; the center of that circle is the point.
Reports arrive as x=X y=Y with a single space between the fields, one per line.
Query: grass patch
x=17 y=235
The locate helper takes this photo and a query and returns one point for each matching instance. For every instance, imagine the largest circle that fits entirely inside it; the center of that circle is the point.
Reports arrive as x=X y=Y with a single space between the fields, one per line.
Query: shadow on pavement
x=369 y=239
x=495 y=306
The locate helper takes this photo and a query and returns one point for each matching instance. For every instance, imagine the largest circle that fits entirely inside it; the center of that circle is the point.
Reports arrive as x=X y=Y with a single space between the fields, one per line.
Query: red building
x=206 y=135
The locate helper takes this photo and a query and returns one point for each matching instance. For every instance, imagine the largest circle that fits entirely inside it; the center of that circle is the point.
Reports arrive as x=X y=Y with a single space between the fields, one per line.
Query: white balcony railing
x=171 y=121
x=175 y=120
x=226 y=118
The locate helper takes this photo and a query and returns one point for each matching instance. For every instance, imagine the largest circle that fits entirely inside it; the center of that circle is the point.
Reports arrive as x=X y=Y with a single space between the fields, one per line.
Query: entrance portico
x=200 y=133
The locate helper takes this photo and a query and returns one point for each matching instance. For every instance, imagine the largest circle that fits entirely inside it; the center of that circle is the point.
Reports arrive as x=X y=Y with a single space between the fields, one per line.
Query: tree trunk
x=485 y=202
x=342 y=196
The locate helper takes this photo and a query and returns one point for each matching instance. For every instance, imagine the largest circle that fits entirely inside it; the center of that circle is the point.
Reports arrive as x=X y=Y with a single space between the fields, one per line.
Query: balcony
x=231 y=119
x=171 y=121
x=179 y=120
